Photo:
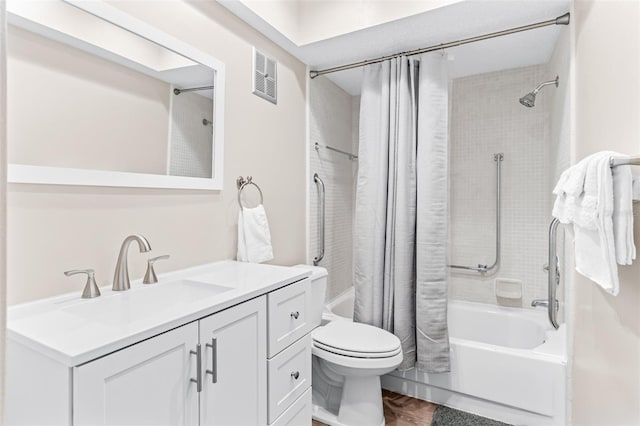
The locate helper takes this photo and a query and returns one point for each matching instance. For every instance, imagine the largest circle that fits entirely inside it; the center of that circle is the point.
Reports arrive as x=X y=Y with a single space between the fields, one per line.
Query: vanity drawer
x=289 y=375
x=299 y=414
x=288 y=310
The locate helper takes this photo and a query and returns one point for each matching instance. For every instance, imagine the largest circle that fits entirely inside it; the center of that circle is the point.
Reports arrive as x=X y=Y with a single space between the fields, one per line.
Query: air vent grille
x=265 y=76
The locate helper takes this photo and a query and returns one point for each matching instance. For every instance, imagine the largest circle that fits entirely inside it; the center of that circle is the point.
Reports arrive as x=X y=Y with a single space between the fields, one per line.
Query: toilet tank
x=318 y=292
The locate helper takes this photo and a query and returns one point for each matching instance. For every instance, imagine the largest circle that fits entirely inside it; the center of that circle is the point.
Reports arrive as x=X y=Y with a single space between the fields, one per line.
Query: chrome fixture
x=198 y=379
x=351 y=156
x=498 y=158
x=529 y=100
x=242 y=183
x=206 y=122
x=560 y=20
x=150 y=276
x=633 y=161
x=214 y=360
x=320 y=184
x=193 y=89
x=91 y=289
x=554 y=277
x=121 y=276
x=539 y=302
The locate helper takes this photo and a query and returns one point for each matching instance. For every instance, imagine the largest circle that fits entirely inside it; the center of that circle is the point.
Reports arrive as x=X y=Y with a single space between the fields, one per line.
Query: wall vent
x=265 y=76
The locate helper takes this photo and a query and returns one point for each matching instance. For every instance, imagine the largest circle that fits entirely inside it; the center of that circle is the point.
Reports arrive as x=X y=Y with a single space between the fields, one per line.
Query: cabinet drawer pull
x=295 y=315
x=198 y=379
x=295 y=374
x=214 y=360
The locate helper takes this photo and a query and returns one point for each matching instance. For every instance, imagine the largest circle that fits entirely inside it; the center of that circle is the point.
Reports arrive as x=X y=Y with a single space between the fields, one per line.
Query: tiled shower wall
x=486 y=118
x=331 y=122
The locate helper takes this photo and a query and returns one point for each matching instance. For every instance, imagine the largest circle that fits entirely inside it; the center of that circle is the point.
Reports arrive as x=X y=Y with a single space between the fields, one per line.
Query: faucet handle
x=91 y=289
x=150 y=276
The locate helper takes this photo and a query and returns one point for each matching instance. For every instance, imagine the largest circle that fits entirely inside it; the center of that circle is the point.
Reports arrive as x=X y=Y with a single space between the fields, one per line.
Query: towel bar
x=242 y=183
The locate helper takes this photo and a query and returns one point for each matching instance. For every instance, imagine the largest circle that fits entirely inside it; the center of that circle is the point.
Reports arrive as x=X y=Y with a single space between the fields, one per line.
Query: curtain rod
x=560 y=20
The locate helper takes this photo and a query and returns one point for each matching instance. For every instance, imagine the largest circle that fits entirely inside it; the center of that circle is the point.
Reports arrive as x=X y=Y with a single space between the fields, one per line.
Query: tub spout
x=539 y=302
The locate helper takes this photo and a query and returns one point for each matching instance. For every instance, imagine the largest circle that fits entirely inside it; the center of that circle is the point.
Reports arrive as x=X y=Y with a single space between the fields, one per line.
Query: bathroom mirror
x=97 y=97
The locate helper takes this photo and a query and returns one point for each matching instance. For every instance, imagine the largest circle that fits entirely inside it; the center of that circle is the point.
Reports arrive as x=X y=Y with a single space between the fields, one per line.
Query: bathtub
x=508 y=364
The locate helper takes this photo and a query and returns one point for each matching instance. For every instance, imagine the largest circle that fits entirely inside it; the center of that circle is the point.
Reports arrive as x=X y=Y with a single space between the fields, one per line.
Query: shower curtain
x=400 y=233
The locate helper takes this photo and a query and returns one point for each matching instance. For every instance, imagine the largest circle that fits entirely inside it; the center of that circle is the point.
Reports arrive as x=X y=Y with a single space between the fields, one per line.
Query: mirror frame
x=20 y=173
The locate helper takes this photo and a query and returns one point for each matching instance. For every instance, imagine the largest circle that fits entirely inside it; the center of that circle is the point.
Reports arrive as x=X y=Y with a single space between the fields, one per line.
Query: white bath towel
x=254 y=237
x=623 y=215
x=600 y=211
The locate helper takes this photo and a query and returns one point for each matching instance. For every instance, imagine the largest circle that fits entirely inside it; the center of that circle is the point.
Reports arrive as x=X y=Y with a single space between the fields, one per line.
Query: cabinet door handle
x=214 y=360
x=295 y=315
x=198 y=379
x=295 y=374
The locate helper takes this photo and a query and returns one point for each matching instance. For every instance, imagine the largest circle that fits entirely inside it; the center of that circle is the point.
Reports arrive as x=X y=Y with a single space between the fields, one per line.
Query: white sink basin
x=120 y=309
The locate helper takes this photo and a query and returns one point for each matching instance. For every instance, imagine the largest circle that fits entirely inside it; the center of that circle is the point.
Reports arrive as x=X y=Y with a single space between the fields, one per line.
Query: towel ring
x=242 y=183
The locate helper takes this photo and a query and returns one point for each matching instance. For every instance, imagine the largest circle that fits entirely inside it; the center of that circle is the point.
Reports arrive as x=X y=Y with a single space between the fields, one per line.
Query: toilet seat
x=356 y=340
x=354 y=354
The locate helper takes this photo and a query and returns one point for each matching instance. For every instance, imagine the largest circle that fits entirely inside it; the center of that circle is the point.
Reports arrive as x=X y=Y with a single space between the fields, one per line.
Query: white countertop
x=74 y=331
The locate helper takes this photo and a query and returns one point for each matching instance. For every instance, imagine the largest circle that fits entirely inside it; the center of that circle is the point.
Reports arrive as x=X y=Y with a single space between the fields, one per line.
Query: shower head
x=529 y=100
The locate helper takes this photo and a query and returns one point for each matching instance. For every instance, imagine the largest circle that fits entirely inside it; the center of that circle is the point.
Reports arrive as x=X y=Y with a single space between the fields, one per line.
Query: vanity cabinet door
x=234 y=348
x=145 y=384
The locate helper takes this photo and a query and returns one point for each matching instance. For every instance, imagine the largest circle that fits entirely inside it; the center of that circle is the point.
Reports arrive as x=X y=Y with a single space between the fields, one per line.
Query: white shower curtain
x=400 y=233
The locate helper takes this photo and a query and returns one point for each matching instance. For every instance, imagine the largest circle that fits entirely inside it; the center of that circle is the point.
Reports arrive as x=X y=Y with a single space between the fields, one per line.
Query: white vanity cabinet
x=145 y=384
x=64 y=371
x=234 y=349
x=155 y=382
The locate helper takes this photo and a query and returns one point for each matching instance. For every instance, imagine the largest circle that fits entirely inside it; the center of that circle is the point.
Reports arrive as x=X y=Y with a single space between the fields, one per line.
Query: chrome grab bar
x=554 y=273
x=554 y=277
x=320 y=255
x=486 y=268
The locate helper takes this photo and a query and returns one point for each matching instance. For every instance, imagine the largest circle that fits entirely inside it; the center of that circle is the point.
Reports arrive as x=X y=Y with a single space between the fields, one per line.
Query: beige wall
x=606 y=361
x=45 y=75
x=55 y=228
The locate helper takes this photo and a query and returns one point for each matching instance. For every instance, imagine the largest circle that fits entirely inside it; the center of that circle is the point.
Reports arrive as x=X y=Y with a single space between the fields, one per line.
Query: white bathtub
x=506 y=363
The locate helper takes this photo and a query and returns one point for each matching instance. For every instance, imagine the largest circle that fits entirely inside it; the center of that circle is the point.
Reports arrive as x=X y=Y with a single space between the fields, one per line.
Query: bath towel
x=254 y=237
x=596 y=200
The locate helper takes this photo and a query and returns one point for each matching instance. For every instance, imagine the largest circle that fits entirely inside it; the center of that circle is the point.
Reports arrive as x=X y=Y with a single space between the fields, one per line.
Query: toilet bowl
x=348 y=360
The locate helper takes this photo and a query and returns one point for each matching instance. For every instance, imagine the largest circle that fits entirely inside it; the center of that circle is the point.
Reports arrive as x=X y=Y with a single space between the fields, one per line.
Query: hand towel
x=254 y=237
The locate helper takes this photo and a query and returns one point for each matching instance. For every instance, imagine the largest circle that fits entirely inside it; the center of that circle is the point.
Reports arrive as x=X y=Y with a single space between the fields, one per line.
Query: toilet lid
x=356 y=339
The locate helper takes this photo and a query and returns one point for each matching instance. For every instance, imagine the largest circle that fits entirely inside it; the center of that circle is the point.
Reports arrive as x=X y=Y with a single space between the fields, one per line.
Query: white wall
x=55 y=228
x=305 y=22
x=331 y=119
x=3 y=201
x=606 y=351
x=486 y=118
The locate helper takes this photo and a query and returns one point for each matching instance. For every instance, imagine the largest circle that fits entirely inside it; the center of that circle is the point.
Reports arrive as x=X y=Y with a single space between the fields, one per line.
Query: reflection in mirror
x=86 y=94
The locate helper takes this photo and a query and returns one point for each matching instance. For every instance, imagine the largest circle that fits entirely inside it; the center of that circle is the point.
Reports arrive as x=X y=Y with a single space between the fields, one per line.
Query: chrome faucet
x=539 y=302
x=121 y=276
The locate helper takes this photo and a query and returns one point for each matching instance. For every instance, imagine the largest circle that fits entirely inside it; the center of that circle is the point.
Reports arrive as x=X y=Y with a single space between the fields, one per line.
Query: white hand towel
x=254 y=237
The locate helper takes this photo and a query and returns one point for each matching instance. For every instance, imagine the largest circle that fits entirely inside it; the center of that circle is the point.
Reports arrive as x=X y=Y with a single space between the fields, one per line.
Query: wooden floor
x=401 y=410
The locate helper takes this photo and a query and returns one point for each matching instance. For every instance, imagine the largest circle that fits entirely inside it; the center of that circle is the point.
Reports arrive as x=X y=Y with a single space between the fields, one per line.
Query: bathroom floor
x=402 y=410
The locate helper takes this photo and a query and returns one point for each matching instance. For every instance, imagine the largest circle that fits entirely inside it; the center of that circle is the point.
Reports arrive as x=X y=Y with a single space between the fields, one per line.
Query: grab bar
x=320 y=255
x=554 y=275
x=485 y=268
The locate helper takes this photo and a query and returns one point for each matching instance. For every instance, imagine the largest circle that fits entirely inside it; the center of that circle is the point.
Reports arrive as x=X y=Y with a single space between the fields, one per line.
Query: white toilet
x=348 y=360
